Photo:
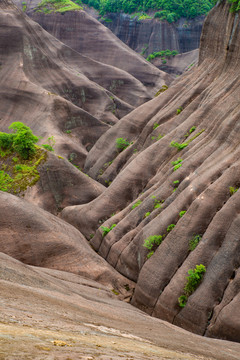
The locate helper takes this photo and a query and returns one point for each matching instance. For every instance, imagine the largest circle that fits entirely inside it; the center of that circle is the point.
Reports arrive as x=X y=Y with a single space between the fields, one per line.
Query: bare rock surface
x=54 y=89
x=89 y=37
x=36 y=237
x=61 y=184
x=147 y=194
x=179 y=63
x=47 y=314
x=151 y=35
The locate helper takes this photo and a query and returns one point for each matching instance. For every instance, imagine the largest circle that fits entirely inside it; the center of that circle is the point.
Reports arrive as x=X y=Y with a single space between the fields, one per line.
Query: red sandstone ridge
x=192 y=185
x=205 y=99
x=54 y=89
x=89 y=37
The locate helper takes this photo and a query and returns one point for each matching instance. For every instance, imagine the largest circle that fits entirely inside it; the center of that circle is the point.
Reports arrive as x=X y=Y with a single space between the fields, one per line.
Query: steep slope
x=201 y=111
x=154 y=35
x=38 y=238
x=90 y=38
x=53 y=89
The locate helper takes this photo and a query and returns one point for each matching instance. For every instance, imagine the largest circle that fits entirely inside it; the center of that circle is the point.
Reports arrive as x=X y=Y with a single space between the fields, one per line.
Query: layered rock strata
x=199 y=116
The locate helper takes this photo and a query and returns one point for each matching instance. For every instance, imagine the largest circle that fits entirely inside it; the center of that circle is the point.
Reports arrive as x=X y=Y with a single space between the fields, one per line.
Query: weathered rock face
x=149 y=35
x=90 y=38
x=60 y=185
x=43 y=308
x=179 y=63
x=206 y=101
x=54 y=89
x=38 y=238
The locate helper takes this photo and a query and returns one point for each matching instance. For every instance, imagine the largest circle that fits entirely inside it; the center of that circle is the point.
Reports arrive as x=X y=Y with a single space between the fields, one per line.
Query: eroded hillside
x=162 y=205
x=180 y=170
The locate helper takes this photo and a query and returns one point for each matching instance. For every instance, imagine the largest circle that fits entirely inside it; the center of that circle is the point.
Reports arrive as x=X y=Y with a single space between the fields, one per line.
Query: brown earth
x=206 y=98
x=50 y=314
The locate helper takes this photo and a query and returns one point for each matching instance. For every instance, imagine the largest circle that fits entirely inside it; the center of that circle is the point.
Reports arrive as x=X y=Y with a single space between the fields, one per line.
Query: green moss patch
x=49 y=6
x=17 y=174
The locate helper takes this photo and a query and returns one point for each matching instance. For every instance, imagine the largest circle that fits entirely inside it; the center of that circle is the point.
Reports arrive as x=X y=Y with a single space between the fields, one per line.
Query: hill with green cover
x=170 y=10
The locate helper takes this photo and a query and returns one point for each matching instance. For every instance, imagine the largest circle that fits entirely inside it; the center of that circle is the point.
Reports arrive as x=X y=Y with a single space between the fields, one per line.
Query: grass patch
x=61 y=6
x=16 y=174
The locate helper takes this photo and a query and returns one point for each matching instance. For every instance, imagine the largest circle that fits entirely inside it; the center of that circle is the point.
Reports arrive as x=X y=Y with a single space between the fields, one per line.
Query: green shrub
x=232 y=190
x=177 y=145
x=122 y=144
x=147 y=214
x=136 y=204
x=157 y=203
x=170 y=227
x=162 y=54
x=235 y=5
x=193 y=280
x=6 y=140
x=23 y=140
x=176 y=164
x=182 y=300
x=169 y=10
x=106 y=229
x=193 y=243
x=155 y=126
x=47 y=147
x=51 y=142
x=152 y=240
x=193 y=128
x=179 y=110
x=150 y=254
x=182 y=213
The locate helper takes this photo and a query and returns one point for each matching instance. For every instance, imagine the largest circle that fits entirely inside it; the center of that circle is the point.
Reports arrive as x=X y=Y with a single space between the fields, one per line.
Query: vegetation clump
x=49 y=6
x=193 y=128
x=170 y=227
x=232 y=190
x=152 y=242
x=21 y=140
x=162 y=54
x=193 y=243
x=163 y=88
x=157 y=203
x=106 y=229
x=49 y=146
x=121 y=144
x=19 y=172
x=177 y=164
x=182 y=213
x=136 y=204
x=170 y=10
x=183 y=145
x=193 y=280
